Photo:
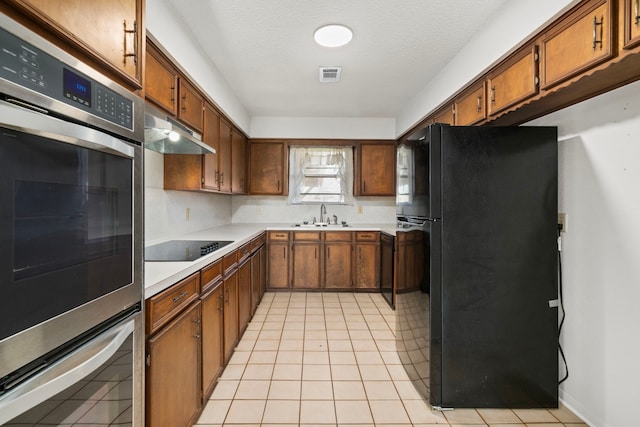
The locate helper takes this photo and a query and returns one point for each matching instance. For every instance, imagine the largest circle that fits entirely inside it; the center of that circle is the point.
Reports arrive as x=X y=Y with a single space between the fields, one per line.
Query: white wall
x=323 y=127
x=599 y=189
x=165 y=215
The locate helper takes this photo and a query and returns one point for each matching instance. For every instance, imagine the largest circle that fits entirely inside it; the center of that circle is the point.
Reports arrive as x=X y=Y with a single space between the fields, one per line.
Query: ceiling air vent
x=330 y=74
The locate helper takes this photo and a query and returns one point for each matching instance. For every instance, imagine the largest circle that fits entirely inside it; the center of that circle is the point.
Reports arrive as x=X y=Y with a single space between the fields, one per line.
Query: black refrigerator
x=489 y=309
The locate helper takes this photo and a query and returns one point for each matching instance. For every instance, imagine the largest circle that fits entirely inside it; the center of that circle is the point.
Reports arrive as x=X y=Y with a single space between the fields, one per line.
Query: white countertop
x=160 y=275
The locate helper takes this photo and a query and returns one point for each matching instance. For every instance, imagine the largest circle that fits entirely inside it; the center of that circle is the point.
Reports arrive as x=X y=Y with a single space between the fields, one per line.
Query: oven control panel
x=30 y=67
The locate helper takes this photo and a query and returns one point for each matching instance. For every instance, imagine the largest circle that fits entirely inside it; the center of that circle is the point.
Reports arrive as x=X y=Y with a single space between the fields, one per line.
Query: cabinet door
x=182 y=172
x=631 y=23
x=267 y=169
x=578 y=42
x=173 y=371
x=470 y=108
x=110 y=31
x=513 y=81
x=212 y=338
x=238 y=162
x=306 y=265
x=244 y=296
x=377 y=169
x=386 y=263
x=263 y=271
x=278 y=265
x=255 y=280
x=367 y=268
x=160 y=81
x=230 y=314
x=337 y=265
x=211 y=136
x=190 y=107
x=224 y=157
x=445 y=116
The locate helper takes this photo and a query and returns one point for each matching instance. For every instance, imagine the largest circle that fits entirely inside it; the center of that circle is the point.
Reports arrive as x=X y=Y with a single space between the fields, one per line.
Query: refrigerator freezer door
x=498 y=268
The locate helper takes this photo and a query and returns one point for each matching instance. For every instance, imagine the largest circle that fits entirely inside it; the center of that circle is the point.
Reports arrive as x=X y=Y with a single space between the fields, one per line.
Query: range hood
x=166 y=136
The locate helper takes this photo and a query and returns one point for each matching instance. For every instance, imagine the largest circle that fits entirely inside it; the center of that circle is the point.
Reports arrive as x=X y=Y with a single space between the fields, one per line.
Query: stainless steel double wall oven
x=71 y=291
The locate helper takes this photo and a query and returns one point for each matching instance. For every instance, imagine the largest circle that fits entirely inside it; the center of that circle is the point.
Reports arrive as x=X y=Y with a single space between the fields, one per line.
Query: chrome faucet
x=323 y=212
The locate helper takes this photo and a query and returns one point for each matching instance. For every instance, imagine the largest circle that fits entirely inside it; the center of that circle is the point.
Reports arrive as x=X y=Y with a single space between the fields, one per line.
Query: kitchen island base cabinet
x=173 y=391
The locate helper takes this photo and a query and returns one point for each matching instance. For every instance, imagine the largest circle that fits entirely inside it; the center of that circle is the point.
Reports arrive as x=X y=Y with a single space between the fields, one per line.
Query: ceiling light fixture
x=333 y=35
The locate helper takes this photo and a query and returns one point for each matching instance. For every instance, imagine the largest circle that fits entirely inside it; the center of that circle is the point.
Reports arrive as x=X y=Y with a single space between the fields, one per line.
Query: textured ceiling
x=264 y=49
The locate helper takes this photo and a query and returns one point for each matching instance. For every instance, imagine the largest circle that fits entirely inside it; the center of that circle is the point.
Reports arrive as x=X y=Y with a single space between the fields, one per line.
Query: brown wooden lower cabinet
x=212 y=338
x=173 y=390
x=230 y=314
x=244 y=295
x=410 y=268
x=337 y=260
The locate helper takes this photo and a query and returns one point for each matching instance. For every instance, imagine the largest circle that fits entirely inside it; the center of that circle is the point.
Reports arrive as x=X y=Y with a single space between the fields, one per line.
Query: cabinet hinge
x=536 y=57
x=536 y=80
x=148 y=360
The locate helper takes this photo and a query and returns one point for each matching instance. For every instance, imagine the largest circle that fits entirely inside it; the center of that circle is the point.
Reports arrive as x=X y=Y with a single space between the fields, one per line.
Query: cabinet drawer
x=279 y=235
x=210 y=275
x=229 y=261
x=161 y=308
x=258 y=242
x=313 y=236
x=582 y=40
x=244 y=252
x=338 y=236
x=367 y=236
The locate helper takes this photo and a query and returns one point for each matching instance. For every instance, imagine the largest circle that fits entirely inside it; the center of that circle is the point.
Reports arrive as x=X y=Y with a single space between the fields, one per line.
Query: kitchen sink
x=321 y=225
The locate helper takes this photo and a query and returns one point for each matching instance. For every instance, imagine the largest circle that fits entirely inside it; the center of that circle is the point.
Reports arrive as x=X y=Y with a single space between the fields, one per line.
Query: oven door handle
x=65 y=372
x=17 y=115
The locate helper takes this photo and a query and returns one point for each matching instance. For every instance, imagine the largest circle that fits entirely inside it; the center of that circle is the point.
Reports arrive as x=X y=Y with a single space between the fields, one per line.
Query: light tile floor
x=328 y=359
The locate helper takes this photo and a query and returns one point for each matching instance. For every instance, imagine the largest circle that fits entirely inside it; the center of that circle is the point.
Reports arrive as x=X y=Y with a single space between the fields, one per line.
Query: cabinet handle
x=493 y=94
x=315 y=253
x=278 y=185
x=364 y=186
x=220 y=302
x=637 y=12
x=217 y=176
x=328 y=252
x=184 y=103
x=221 y=178
x=173 y=91
x=228 y=296
x=479 y=101
x=179 y=297
x=597 y=24
x=284 y=252
x=133 y=54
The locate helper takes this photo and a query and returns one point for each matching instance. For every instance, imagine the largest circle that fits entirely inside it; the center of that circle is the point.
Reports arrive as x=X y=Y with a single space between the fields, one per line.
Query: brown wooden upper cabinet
x=190 y=105
x=211 y=137
x=446 y=116
x=114 y=40
x=224 y=157
x=267 y=168
x=160 y=81
x=581 y=40
x=238 y=162
x=631 y=23
x=471 y=106
x=377 y=169
x=513 y=81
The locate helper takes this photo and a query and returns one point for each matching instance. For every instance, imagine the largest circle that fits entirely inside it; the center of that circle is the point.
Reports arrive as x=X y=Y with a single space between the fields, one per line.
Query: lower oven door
x=97 y=384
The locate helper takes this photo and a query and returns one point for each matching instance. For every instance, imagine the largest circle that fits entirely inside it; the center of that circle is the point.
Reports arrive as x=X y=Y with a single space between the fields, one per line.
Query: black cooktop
x=182 y=250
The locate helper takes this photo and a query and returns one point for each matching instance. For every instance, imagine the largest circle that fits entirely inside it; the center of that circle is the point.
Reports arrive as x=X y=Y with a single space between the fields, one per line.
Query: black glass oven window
x=65 y=224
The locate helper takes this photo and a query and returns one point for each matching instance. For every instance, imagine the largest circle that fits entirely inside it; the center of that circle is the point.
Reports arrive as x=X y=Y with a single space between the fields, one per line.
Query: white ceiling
x=264 y=49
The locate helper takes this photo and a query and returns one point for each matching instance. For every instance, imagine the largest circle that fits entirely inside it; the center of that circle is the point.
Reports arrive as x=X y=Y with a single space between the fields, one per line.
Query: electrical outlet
x=562 y=221
x=258 y=210
x=359 y=209
x=188 y=214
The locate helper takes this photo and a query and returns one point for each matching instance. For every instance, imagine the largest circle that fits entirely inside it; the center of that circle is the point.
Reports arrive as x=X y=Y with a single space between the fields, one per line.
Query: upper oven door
x=67 y=228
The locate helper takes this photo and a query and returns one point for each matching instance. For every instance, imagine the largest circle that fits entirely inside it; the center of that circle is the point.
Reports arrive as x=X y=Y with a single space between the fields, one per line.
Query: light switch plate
x=562 y=220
